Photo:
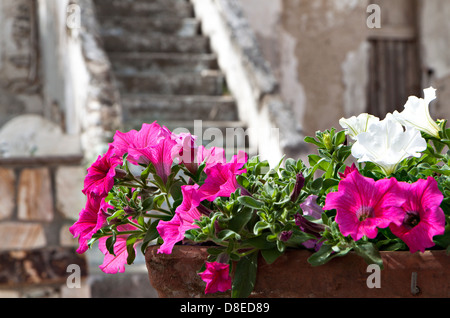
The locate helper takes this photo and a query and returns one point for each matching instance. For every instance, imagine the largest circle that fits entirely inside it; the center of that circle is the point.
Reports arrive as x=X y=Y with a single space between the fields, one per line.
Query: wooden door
x=394 y=61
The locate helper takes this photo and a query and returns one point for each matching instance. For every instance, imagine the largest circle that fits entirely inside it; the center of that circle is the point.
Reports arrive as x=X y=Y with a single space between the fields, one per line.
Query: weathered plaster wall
x=435 y=42
x=317 y=49
x=20 y=81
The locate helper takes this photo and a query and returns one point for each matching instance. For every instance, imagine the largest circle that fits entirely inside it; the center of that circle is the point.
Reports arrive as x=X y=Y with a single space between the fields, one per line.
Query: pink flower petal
x=185 y=215
x=90 y=220
x=363 y=205
x=115 y=263
x=100 y=177
x=423 y=207
x=217 y=277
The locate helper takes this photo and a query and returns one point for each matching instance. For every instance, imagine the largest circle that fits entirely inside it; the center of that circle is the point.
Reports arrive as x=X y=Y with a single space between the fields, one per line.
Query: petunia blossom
x=116 y=263
x=187 y=151
x=386 y=144
x=357 y=124
x=363 y=205
x=423 y=217
x=90 y=220
x=348 y=170
x=154 y=144
x=217 y=277
x=185 y=215
x=100 y=175
x=416 y=113
x=191 y=155
x=221 y=178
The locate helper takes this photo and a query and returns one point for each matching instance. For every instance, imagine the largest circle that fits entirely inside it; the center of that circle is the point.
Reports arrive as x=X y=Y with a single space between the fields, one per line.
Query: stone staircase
x=167 y=72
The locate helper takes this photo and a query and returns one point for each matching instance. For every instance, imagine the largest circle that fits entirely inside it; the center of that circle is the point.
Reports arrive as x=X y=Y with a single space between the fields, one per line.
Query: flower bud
x=299 y=183
x=309 y=227
x=285 y=236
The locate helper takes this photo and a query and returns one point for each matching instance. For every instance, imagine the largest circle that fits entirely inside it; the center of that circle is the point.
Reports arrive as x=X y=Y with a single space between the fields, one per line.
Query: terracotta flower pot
x=291 y=276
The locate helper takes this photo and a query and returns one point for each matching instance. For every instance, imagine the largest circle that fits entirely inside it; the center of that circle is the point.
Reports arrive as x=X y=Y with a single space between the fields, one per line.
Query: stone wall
x=58 y=108
x=38 y=207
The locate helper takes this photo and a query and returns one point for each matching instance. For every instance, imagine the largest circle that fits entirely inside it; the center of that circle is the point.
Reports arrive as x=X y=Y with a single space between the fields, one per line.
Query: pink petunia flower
x=217 y=277
x=221 y=178
x=211 y=156
x=191 y=155
x=363 y=205
x=100 y=177
x=423 y=218
x=152 y=143
x=134 y=142
x=116 y=263
x=185 y=215
x=187 y=153
x=90 y=220
x=348 y=170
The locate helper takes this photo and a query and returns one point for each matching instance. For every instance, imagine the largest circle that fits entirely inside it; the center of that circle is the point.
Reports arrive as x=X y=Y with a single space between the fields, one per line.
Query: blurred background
x=257 y=75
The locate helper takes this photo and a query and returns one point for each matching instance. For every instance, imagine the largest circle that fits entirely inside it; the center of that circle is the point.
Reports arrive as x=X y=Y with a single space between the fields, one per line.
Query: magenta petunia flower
x=221 y=178
x=423 y=217
x=211 y=156
x=185 y=215
x=116 y=263
x=187 y=151
x=100 y=177
x=348 y=170
x=217 y=277
x=153 y=143
x=363 y=205
x=90 y=220
x=123 y=141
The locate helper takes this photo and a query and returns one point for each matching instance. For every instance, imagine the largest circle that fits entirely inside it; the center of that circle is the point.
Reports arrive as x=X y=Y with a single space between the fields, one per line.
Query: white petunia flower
x=417 y=114
x=355 y=125
x=386 y=144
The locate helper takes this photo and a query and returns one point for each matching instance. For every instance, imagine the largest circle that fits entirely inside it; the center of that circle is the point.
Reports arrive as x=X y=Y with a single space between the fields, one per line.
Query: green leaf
x=228 y=234
x=130 y=249
x=260 y=242
x=339 y=138
x=259 y=226
x=311 y=140
x=240 y=219
x=250 y=202
x=322 y=256
x=152 y=234
x=369 y=252
x=110 y=241
x=245 y=276
x=270 y=255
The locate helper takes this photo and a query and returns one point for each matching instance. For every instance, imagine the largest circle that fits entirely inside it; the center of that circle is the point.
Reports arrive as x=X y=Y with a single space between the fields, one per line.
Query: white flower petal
x=416 y=113
x=386 y=144
x=356 y=125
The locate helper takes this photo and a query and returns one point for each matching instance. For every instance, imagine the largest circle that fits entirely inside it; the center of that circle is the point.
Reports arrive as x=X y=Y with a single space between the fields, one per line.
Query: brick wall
x=40 y=198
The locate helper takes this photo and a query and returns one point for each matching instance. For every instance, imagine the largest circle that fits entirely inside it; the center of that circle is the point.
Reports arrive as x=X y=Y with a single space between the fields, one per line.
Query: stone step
x=204 y=83
x=149 y=8
x=155 y=42
x=120 y=25
x=129 y=63
x=138 y=108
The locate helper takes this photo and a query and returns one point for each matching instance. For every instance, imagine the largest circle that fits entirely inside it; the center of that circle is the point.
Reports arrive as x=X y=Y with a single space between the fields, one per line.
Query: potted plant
x=371 y=189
